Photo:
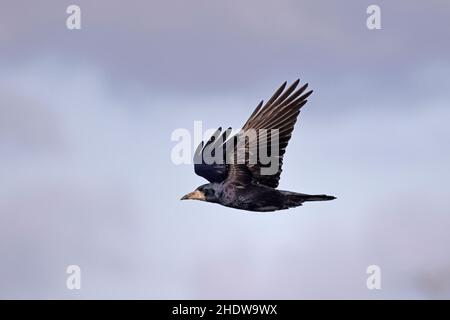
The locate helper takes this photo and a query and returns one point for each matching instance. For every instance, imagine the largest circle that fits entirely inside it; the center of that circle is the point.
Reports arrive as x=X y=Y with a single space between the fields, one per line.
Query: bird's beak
x=195 y=195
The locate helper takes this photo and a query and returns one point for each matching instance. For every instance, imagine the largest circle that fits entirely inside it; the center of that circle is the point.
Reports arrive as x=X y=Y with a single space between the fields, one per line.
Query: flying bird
x=237 y=182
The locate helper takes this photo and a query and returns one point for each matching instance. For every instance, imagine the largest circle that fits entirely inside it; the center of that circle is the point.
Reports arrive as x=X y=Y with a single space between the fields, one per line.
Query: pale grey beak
x=194 y=195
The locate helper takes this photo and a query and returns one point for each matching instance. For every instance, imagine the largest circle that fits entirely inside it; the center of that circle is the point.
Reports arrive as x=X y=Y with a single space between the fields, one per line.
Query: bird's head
x=207 y=192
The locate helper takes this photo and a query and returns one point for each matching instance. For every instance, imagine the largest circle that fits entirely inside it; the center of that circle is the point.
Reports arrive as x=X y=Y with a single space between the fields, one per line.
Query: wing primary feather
x=258 y=107
x=267 y=106
x=294 y=95
x=287 y=92
x=281 y=108
x=276 y=94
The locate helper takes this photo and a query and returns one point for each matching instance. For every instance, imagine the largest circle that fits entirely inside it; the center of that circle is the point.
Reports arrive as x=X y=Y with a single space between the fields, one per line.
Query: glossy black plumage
x=238 y=182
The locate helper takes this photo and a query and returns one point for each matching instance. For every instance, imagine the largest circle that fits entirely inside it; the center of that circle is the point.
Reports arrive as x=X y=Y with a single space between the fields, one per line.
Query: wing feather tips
x=254 y=113
x=306 y=95
x=276 y=94
x=287 y=93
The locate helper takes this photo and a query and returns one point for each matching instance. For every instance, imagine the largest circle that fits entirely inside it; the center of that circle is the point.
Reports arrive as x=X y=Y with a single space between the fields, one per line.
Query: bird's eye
x=209 y=192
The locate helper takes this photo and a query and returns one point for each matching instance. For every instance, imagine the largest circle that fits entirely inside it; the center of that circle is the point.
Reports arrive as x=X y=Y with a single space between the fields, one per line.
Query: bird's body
x=251 y=197
x=260 y=198
x=238 y=182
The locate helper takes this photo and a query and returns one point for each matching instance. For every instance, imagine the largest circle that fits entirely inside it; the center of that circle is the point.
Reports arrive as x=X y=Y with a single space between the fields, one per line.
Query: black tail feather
x=319 y=197
x=293 y=199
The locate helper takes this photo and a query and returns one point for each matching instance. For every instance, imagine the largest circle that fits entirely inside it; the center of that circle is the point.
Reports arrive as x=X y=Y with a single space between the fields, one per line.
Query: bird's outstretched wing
x=206 y=164
x=280 y=113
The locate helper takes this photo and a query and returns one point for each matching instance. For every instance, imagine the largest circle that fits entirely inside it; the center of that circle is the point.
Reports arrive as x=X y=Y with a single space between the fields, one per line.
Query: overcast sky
x=86 y=118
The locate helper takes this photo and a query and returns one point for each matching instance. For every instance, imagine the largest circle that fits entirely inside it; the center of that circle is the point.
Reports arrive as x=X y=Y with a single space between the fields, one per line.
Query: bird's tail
x=293 y=199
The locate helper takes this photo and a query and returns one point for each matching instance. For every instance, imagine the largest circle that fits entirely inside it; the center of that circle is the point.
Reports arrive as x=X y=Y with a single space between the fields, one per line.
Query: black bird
x=236 y=181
